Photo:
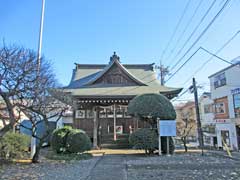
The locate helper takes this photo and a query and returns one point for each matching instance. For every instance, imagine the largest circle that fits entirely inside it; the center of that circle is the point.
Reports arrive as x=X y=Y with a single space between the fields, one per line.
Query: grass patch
x=68 y=157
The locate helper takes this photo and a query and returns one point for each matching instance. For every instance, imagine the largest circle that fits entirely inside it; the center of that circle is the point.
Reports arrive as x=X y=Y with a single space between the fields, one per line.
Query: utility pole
x=199 y=127
x=163 y=73
x=33 y=139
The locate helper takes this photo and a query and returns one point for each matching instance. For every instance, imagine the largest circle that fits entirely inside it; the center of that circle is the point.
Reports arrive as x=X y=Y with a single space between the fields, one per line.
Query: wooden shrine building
x=102 y=93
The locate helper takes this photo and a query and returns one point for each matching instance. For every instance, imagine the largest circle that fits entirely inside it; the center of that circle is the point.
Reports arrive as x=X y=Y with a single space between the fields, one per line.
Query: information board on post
x=167 y=127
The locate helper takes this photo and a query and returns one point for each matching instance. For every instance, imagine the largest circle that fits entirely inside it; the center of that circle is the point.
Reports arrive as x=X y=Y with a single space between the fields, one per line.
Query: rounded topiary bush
x=151 y=105
x=59 y=139
x=78 y=142
x=146 y=139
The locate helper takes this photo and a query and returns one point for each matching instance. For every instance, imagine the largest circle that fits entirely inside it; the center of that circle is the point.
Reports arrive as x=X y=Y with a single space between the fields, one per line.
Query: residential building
x=206 y=107
x=225 y=92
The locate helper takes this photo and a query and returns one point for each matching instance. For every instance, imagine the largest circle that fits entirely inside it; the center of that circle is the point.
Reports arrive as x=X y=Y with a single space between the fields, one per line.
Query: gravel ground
x=131 y=167
x=183 y=166
x=49 y=170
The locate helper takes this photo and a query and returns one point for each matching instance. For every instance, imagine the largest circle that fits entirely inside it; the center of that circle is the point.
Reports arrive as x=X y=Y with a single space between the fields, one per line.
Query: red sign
x=220 y=120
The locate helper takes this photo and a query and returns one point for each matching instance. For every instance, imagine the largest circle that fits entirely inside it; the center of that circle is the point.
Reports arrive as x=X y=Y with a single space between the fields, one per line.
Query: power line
x=218 y=51
x=176 y=28
x=191 y=35
x=187 y=90
x=200 y=48
x=185 y=29
x=199 y=37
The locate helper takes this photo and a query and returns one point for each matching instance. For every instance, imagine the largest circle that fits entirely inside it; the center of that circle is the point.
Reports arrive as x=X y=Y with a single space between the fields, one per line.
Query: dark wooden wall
x=87 y=125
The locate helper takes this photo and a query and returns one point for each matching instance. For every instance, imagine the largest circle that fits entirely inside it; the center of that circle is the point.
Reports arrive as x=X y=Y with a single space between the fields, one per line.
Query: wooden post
x=199 y=126
x=95 y=127
x=168 y=146
x=114 y=123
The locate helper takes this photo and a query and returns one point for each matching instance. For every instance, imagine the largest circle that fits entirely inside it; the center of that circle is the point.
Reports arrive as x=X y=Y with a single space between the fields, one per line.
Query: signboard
x=119 y=129
x=167 y=127
x=235 y=91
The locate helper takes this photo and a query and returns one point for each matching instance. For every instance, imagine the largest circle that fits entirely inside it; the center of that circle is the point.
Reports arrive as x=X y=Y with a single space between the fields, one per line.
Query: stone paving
x=131 y=167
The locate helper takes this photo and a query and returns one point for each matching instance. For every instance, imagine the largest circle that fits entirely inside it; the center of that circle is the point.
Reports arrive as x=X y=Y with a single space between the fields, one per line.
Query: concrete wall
x=228 y=121
x=233 y=82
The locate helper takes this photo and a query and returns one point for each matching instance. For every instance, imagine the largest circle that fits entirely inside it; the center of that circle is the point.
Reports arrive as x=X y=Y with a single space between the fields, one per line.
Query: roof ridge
x=108 y=67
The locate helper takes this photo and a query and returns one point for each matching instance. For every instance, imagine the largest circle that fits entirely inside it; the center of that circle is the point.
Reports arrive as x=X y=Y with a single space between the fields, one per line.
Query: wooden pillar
x=135 y=123
x=95 y=128
x=114 y=123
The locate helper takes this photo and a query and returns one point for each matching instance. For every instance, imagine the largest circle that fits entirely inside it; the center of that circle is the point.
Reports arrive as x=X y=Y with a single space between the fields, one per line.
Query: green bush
x=59 y=138
x=13 y=145
x=78 y=141
x=147 y=139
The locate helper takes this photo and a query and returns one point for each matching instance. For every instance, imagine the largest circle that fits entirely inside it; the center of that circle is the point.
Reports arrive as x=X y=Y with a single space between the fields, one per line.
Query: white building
x=206 y=106
x=225 y=92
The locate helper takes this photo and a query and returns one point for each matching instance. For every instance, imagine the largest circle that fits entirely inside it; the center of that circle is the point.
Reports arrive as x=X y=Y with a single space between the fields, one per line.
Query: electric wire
x=185 y=29
x=218 y=51
x=199 y=37
x=191 y=35
x=200 y=48
x=176 y=28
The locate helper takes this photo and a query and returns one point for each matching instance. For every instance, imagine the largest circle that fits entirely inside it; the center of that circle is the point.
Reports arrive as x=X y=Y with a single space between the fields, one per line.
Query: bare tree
x=30 y=90
x=17 y=74
x=48 y=107
x=185 y=128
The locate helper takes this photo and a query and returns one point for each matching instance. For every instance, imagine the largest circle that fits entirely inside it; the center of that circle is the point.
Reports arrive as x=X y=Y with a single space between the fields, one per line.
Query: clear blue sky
x=86 y=31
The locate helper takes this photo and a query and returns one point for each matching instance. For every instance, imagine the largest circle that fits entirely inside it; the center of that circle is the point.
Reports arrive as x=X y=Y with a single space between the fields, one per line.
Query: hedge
x=59 y=139
x=13 y=145
x=68 y=140
x=147 y=139
x=77 y=142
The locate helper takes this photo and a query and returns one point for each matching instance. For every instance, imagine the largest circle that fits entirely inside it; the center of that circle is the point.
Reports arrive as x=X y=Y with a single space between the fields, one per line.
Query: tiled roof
x=84 y=74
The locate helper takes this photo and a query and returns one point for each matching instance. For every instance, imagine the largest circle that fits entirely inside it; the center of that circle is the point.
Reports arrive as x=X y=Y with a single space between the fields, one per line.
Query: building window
x=236 y=103
x=208 y=108
x=220 y=80
x=220 y=108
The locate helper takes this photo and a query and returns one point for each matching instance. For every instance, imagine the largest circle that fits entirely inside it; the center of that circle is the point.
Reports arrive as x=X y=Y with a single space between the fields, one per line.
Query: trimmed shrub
x=78 y=142
x=13 y=145
x=146 y=139
x=59 y=139
x=151 y=105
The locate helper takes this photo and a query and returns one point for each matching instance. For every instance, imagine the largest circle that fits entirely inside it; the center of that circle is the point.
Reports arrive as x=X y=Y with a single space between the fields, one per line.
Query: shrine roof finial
x=114 y=57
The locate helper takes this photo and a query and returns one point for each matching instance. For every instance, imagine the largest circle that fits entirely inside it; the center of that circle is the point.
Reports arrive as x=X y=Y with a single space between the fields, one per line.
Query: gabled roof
x=108 y=67
x=85 y=76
